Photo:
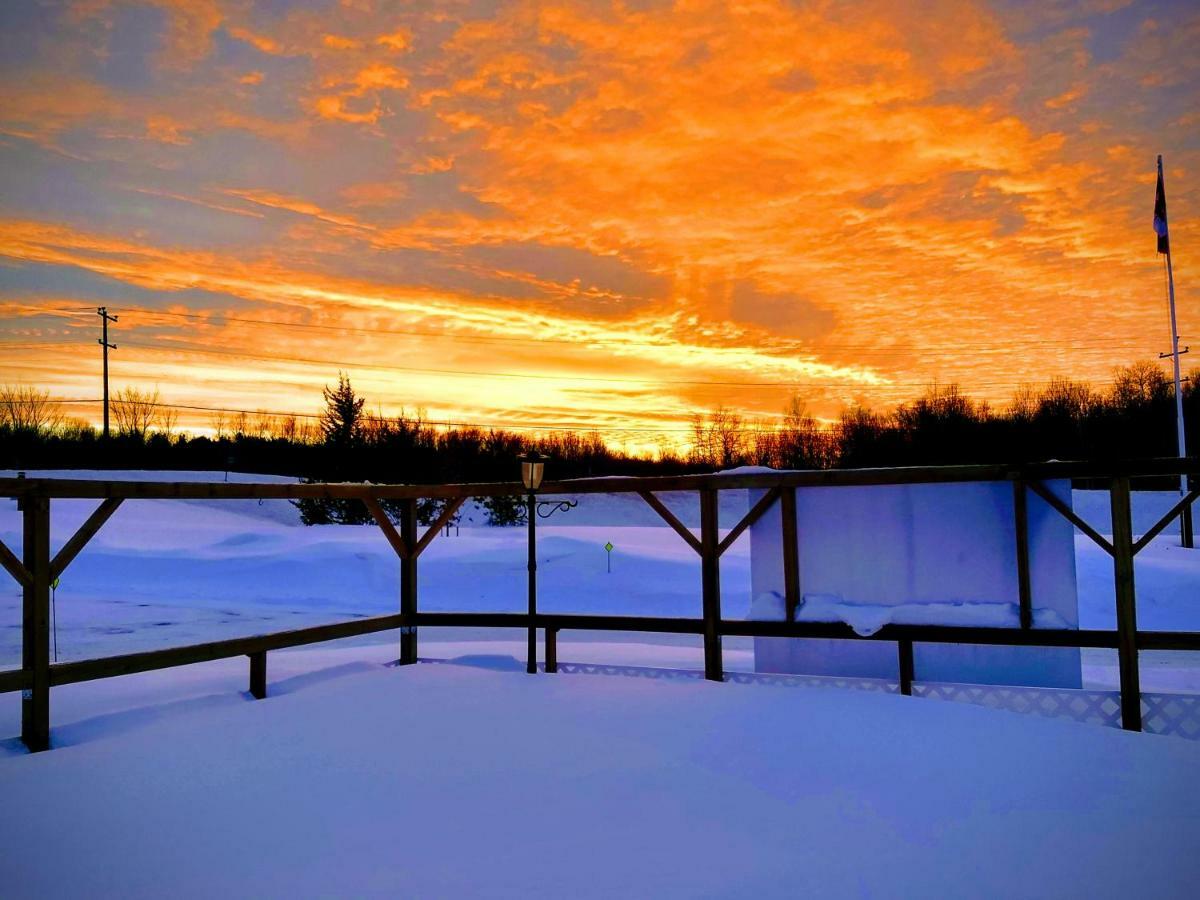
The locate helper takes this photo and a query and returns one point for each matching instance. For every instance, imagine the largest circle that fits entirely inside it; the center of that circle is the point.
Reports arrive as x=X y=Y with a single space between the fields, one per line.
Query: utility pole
x=1164 y=248
x=105 y=318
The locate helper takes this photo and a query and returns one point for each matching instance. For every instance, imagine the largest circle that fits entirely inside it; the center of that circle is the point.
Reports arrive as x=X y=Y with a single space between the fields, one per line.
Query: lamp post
x=533 y=466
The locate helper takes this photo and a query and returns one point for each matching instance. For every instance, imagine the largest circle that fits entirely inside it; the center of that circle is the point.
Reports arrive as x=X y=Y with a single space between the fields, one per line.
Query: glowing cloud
x=631 y=212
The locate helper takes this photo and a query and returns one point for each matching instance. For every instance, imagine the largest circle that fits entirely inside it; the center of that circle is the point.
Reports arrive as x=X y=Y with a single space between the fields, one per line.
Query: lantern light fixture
x=533 y=466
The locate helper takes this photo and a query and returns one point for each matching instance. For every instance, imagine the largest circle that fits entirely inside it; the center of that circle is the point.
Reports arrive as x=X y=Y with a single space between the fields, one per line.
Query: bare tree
x=718 y=439
x=1067 y=399
x=1024 y=403
x=135 y=410
x=1140 y=383
x=307 y=432
x=263 y=424
x=76 y=429
x=25 y=408
x=288 y=428
x=801 y=442
x=166 y=420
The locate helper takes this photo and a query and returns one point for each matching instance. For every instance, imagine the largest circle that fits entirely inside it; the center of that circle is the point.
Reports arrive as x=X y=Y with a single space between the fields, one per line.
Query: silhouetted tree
x=342 y=419
x=134 y=411
x=26 y=409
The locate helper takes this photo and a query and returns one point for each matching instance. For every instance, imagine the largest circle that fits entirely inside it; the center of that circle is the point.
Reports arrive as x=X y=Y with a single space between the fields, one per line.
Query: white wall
x=934 y=543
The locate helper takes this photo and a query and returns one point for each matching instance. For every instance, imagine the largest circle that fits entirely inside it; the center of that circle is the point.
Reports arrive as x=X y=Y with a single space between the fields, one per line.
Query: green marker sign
x=609 y=549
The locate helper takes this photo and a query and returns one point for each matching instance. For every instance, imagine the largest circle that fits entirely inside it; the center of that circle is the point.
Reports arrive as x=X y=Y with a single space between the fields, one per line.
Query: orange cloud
x=857 y=198
x=397 y=41
x=337 y=42
x=261 y=42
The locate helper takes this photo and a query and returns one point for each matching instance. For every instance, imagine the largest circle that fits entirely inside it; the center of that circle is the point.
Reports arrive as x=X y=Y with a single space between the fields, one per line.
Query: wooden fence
x=37 y=568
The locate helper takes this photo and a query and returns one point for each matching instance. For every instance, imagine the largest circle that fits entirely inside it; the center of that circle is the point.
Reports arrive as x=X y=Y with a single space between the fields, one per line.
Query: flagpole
x=1185 y=520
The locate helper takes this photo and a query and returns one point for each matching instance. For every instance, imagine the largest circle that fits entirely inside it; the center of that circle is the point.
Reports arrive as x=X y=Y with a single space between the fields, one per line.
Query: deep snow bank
x=449 y=781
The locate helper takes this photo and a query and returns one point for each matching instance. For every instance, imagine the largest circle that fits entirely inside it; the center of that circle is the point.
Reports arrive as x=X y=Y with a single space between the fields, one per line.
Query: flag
x=1160 y=214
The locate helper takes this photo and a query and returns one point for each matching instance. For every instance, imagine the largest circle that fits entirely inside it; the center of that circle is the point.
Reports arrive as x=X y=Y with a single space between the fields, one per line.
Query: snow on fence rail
x=37 y=569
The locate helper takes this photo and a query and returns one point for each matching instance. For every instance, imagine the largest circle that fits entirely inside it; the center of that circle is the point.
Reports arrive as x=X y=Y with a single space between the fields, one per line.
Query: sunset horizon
x=575 y=216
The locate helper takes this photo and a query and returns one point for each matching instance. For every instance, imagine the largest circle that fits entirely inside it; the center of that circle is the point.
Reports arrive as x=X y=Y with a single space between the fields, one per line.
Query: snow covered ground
x=457 y=780
x=356 y=779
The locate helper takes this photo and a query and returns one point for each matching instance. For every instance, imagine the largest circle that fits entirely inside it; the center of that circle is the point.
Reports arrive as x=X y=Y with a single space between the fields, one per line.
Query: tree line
x=1134 y=418
x=1065 y=419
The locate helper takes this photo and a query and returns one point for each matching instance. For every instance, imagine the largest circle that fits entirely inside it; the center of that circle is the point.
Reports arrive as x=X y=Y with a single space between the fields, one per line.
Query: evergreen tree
x=342 y=421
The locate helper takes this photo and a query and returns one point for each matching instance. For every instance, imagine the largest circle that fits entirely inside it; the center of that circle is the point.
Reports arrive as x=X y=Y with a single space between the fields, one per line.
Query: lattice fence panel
x=768 y=678
x=570 y=668
x=825 y=681
x=1097 y=707
x=1172 y=714
x=1176 y=714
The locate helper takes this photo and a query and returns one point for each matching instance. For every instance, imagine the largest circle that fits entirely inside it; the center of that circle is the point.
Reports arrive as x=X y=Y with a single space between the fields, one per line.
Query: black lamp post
x=533 y=466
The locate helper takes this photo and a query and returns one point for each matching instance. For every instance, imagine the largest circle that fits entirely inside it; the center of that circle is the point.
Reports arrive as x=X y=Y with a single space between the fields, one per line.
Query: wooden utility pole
x=105 y=318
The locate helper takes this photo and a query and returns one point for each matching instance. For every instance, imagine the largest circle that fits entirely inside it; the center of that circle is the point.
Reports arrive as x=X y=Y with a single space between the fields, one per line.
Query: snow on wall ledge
x=918 y=554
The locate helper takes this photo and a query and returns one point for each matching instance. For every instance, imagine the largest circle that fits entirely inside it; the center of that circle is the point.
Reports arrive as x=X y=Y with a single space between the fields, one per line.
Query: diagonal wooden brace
x=1166 y=520
x=15 y=567
x=386 y=526
x=669 y=517
x=79 y=540
x=1067 y=513
x=765 y=502
x=447 y=514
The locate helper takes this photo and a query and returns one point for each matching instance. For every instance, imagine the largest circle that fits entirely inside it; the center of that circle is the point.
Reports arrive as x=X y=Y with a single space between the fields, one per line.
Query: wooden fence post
x=258 y=674
x=408 y=581
x=35 y=624
x=906 y=667
x=710 y=576
x=1127 y=652
x=791 y=552
x=1024 y=588
x=551 y=649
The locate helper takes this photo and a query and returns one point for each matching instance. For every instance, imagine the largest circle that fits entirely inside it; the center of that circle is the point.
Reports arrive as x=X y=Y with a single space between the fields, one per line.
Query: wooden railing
x=36 y=569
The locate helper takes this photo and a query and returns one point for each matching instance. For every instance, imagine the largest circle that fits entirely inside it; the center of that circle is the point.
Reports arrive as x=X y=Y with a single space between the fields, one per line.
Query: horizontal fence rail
x=183 y=490
x=35 y=569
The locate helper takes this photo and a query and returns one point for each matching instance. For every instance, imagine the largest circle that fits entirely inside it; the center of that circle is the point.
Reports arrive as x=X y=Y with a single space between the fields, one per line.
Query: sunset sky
x=583 y=214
